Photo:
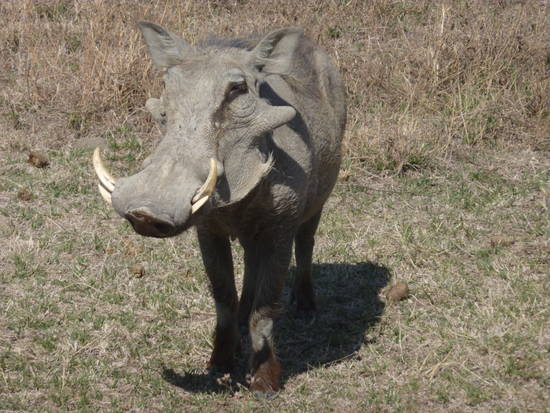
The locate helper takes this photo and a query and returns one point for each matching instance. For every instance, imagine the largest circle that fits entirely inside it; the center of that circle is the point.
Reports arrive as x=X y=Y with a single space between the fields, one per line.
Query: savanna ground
x=444 y=186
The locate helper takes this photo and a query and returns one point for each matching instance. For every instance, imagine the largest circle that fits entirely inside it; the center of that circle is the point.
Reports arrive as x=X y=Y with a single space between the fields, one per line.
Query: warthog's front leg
x=273 y=257
x=216 y=255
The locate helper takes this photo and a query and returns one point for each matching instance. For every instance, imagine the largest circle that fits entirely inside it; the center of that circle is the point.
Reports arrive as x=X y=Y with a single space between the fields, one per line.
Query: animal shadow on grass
x=348 y=304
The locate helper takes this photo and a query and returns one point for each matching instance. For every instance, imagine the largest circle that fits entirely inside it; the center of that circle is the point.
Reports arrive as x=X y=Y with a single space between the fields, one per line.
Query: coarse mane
x=246 y=43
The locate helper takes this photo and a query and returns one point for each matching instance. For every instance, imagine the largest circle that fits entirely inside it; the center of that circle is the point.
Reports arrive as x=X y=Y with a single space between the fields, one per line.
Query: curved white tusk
x=105 y=194
x=207 y=188
x=197 y=205
x=103 y=174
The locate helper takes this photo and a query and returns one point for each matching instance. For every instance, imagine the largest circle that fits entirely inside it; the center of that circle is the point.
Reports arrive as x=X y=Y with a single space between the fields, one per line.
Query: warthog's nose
x=146 y=223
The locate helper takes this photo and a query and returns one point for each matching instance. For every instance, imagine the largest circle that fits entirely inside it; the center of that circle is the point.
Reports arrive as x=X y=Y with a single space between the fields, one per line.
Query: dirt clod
x=398 y=292
x=38 y=159
x=137 y=270
x=24 y=195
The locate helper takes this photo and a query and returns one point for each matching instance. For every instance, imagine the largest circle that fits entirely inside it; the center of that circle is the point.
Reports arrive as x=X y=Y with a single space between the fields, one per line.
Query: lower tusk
x=197 y=205
x=105 y=194
x=207 y=188
x=103 y=174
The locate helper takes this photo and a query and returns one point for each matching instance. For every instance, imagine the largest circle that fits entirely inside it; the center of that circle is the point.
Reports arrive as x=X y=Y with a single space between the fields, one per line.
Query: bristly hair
x=246 y=43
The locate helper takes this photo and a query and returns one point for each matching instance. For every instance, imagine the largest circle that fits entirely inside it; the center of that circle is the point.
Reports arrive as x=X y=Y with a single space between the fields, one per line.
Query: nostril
x=146 y=223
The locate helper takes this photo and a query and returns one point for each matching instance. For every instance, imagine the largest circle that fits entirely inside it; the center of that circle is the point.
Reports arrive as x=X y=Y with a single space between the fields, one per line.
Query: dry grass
x=444 y=186
x=424 y=78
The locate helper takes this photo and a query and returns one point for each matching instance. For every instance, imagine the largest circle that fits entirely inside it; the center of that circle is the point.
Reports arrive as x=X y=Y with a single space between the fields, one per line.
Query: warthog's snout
x=156 y=210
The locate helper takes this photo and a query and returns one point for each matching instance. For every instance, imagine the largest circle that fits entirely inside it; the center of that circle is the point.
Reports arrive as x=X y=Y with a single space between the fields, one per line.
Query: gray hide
x=271 y=114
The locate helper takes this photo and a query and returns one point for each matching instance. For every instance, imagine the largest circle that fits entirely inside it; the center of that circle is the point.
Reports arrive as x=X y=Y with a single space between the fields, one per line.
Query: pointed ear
x=166 y=49
x=274 y=52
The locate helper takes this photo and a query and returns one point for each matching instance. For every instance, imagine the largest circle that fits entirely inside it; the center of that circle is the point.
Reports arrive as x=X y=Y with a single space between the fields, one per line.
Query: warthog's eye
x=236 y=89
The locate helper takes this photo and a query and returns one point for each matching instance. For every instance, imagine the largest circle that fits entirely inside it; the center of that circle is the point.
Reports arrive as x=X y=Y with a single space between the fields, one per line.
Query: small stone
x=24 y=194
x=38 y=159
x=398 y=292
x=137 y=270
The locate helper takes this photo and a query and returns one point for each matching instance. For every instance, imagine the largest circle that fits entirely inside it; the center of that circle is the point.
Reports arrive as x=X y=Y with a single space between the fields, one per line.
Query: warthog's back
x=321 y=102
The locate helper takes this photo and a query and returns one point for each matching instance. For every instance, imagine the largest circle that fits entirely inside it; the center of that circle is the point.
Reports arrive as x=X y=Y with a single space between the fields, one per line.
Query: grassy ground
x=444 y=186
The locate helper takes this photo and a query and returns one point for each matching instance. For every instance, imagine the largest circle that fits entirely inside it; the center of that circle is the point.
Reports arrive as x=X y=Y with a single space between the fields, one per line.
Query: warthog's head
x=215 y=124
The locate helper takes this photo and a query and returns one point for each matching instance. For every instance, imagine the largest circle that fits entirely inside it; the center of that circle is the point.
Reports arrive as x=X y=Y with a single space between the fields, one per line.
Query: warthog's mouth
x=107 y=183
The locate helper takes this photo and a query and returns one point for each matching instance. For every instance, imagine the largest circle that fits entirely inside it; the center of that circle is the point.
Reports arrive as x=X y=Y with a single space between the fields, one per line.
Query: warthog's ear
x=166 y=49
x=274 y=52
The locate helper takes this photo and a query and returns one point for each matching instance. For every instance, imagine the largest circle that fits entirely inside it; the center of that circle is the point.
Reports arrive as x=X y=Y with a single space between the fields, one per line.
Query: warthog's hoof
x=265 y=379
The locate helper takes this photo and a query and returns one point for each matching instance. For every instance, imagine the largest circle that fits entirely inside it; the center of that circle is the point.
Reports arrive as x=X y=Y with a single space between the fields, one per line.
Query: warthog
x=251 y=150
